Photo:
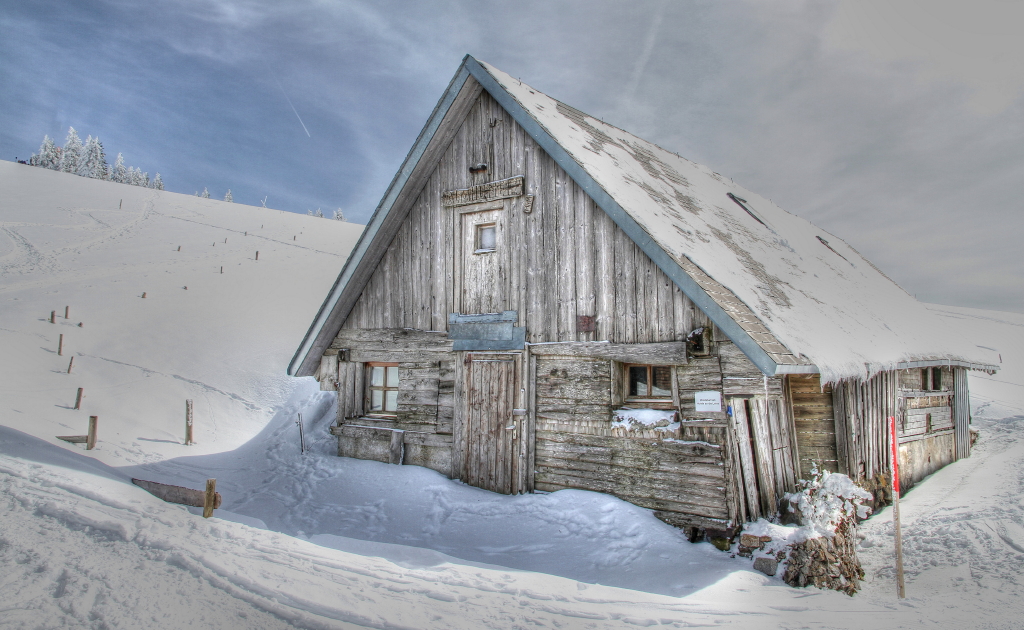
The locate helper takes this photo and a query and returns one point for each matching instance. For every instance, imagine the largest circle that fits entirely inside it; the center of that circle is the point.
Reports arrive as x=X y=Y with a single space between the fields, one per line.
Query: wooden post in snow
x=53 y=317
x=895 y=467
x=91 y=441
x=257 y=254
x=67 y=310
x=210 y=498
x=188 y=422
x=302 y=441
x=60 y=346
x=78 y=398
x=71 y=364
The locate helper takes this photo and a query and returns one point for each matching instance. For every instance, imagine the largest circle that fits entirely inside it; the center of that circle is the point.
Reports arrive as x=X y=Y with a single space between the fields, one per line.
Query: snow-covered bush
x=826 y=499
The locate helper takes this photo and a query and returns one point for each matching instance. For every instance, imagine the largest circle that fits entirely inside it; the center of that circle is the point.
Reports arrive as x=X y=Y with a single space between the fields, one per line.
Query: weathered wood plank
x=663 y=353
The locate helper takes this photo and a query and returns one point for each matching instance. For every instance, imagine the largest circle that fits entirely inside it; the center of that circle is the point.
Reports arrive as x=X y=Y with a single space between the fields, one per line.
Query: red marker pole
x=894 y=453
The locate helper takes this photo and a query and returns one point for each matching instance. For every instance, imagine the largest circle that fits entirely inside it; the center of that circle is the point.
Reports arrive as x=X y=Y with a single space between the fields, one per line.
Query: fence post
x=71 y=364
x=188 y=422
x=60 y=346
x=67 y=309
x=210 y=499
x=91 y=441
x=78 y=399
x=53 y=317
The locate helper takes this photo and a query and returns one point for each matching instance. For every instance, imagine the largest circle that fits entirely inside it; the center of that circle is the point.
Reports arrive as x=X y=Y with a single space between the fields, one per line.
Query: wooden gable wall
x=566 y=258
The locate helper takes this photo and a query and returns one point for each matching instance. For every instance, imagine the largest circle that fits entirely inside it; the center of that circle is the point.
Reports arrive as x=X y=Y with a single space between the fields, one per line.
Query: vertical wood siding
x=961 y=413
x=565 y=259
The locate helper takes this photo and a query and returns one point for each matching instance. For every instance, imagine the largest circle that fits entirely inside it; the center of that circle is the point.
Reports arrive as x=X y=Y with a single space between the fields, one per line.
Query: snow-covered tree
x=206 y=193
x=318 y=213
x=118 y=173
x=157 y=183
x=71 y=154
x=49 y=155
x=137 y=178
x=339 y=215
x=228 y=198
x=94 y=160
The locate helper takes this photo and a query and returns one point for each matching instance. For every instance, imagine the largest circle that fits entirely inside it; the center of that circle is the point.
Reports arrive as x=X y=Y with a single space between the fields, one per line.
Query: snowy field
x=315 y=541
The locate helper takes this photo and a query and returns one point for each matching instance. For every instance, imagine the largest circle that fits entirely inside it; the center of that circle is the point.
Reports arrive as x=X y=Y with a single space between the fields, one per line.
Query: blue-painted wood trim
x=621 y=218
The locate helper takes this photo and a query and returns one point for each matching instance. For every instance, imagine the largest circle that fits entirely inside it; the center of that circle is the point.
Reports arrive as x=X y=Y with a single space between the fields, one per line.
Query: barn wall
x=576 y=448
x=566 y=258
x=926 y=422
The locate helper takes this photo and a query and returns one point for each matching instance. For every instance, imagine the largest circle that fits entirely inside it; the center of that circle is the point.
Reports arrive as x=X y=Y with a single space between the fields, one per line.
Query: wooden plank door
x=488 y=435
x=817 y=444
x=482 y=284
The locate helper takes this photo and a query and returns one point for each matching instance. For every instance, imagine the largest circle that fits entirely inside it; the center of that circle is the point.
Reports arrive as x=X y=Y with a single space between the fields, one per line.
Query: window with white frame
x=382 y=388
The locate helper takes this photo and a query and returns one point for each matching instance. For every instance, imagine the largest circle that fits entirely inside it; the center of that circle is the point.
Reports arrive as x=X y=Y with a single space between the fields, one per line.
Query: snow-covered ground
x=316 y=541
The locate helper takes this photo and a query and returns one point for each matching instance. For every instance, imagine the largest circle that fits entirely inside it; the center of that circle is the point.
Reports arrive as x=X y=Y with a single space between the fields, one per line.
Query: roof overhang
x=981 y=367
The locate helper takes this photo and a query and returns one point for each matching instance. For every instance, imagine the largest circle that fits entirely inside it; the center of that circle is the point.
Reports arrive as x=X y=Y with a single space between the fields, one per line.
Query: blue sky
x=895 y=125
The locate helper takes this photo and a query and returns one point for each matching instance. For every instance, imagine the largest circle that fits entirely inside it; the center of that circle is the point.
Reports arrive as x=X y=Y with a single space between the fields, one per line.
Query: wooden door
x=482 y=285
x=816 y=441
x=488 y=435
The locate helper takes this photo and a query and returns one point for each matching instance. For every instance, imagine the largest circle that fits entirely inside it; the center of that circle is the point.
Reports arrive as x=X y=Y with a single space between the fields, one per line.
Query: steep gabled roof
x=793 y=297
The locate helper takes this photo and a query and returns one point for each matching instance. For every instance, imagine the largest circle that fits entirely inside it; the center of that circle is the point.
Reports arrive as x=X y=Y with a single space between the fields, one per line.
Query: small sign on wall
x=708 y=401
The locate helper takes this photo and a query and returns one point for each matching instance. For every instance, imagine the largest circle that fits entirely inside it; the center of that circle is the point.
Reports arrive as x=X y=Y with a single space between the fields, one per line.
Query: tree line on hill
x=90 y=160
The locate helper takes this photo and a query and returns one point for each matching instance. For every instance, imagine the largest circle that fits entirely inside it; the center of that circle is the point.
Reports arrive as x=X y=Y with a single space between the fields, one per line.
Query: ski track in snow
x=317 y=541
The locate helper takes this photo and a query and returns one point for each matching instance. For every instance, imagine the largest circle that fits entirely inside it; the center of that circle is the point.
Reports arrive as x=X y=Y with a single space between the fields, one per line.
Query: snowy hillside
x=315 y=541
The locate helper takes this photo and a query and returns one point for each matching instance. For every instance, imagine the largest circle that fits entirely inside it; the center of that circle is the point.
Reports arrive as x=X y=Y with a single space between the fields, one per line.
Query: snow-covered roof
x=792 y=296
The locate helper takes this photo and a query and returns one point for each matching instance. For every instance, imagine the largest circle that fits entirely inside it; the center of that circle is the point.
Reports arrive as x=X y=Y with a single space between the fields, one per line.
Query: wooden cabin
x=543 y=301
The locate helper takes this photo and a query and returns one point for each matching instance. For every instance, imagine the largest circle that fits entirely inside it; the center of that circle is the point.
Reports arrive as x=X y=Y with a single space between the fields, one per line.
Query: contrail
x=645 y=55
x=292 y=106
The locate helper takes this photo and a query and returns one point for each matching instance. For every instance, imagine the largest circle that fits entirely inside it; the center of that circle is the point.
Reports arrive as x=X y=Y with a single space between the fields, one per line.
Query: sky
x=895 y=125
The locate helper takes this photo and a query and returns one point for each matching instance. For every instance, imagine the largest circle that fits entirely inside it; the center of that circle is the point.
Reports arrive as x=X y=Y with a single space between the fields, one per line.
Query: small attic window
x=741 y=202
x=486 y=238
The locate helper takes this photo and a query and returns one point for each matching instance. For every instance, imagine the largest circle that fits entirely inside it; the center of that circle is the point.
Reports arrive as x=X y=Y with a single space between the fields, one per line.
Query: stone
x=750 y=541
x=723 y=544
x=768 y=566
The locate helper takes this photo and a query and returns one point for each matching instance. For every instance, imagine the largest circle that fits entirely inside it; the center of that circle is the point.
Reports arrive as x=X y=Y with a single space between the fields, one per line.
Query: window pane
x=393 y=376
x=638 y=380
x=377 y=376
x=391 y=400
x=662 y=377
x=924 y=379
x=936 y=378
x=376 y=400
x=486 y=237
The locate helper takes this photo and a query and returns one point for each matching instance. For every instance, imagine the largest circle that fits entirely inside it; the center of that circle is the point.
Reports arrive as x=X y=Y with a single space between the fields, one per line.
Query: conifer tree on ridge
x=71 y=154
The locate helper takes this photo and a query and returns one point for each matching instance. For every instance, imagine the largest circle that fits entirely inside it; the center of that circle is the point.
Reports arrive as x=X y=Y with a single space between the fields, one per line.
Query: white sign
x=708 y=401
